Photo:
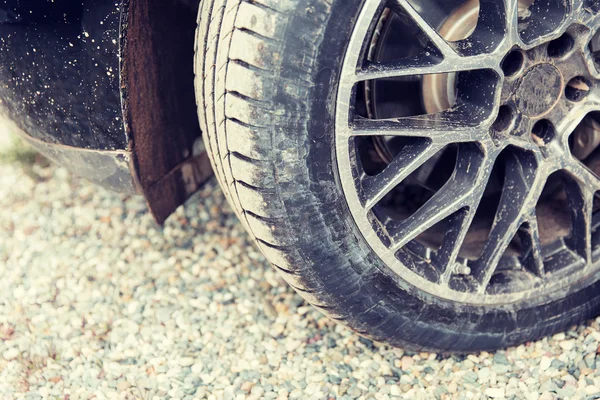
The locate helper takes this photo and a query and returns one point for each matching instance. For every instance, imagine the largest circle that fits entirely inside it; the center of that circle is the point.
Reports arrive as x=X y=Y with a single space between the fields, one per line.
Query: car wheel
x=423 y=172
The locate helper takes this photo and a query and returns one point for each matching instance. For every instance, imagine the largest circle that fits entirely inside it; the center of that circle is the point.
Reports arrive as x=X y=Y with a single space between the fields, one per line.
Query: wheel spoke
x=580 y=194
x=422 y=66
x=411 y=157
x=405 y=67
x=581 y=203
x=447 y=255
x=571 y=119
x=512 y=21
x=590 y=19
x=593 y=100
x=520 y=193
x=576 y=7
x=587 y=179
x=403 y=6
x=532 y=258
x=457 y=193
x=450 y=126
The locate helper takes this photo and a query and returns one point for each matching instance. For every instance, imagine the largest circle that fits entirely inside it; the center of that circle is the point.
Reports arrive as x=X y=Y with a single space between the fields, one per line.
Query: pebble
x=344 y=386
x=545 y=363
x=589 y=390
x=495 y=393
x=186 y=361
x=197 y=368
x=127 y=309
x=452 y=387
x=470 y=377
x=546 y=396
x=11 y=354
x=407 y=362
x=500 y=358
x=567 y=345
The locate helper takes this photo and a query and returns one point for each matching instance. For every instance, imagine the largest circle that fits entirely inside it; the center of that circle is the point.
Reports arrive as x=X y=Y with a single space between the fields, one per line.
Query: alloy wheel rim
x=517 y=102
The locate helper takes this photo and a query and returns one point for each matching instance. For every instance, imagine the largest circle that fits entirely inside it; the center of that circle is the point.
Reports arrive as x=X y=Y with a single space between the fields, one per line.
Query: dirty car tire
x=267 y=74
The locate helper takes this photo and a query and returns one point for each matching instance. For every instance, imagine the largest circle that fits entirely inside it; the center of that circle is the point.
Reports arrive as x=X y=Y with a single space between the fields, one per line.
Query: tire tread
x=249 y=50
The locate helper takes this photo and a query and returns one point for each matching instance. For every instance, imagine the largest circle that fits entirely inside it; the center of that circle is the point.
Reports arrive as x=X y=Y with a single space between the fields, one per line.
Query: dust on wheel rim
x=487 y=125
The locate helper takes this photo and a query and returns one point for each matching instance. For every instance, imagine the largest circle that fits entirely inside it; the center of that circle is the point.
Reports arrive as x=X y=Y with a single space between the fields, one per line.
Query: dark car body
x=105 y=88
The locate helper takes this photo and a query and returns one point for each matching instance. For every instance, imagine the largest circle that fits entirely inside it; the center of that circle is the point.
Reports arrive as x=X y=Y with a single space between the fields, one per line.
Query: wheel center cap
x=539 y=89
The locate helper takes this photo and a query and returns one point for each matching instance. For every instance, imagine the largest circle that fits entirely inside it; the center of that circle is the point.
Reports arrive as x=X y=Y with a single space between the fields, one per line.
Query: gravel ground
x=97 y=301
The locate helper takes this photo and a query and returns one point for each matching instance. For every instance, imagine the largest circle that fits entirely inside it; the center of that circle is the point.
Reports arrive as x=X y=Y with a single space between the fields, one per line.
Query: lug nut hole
x=577 y=89
x=512 y=63
x=504 y=119
x=543 y=131
x=561 y=46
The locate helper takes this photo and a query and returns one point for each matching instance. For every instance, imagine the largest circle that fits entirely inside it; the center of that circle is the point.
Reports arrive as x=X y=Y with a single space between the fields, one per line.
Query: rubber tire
x=266 y=84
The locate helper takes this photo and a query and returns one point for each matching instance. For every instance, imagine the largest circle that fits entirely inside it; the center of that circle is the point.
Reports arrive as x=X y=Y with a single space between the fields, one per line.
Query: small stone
x=484 y=373
x=337 y=356
x=257 y=391
x=282 y=394
x=452 y=387
x=473 y=358
x=292 y=345
x=366 y=342
x=559 y=383
x=247 y=386
x=197 y=367
x=470 y=377
x=277 y=330
x=355 y=392
x=548 y=386
x=186 y=361
x=500 y=358
x=567 y=345
x=228 y=393
x=589 y=390
x=268 y=308
x=546 y=396
x=395 y=390
x=303 y=310
x=494 y=393
x=545 y=363
x=590 y=362
x=407 y=362
x=344 y=386
x=567 y=391
x=11 y=353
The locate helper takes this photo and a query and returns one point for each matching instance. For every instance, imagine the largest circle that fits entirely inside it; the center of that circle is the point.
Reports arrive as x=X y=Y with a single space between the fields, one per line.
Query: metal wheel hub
x=481 y=189
x=538 y=90
x=543 y=85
